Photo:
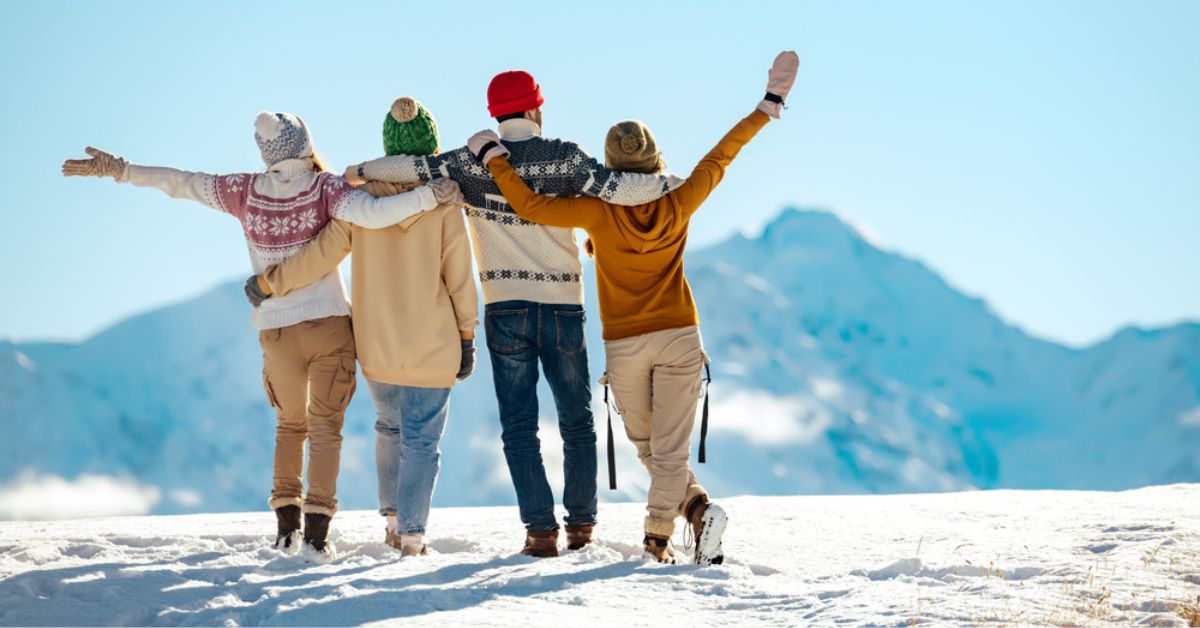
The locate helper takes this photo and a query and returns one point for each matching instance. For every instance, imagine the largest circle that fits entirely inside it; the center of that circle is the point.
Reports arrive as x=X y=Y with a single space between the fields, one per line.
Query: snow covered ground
x=1003 y=556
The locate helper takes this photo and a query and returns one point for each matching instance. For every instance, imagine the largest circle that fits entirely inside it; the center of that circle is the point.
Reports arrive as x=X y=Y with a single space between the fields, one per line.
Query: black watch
x=360 y=173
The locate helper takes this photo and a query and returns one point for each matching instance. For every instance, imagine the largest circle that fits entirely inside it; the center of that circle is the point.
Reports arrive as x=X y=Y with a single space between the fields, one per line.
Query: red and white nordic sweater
x=281 y=210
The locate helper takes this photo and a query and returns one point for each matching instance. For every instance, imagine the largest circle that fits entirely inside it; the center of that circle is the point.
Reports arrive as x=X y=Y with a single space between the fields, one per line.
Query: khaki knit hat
x=630 y=147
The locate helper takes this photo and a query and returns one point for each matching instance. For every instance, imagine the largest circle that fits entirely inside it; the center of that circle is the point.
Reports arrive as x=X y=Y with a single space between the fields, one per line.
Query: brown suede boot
x=708 y=523
x=694 y=513
x=316 y=532
x=657 y=547
x=541 y=543
x=578 y=536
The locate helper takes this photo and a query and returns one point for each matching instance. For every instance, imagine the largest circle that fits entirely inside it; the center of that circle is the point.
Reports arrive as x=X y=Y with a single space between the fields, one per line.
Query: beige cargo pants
x=655 y=380
x=308 y=373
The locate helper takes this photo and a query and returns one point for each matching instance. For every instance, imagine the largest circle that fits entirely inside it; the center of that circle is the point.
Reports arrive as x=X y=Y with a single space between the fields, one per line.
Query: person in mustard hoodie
x=415 y=311
x=651 y=327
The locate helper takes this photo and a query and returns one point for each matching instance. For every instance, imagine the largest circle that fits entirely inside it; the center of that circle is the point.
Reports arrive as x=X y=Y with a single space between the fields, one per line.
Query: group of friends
x=415 y=309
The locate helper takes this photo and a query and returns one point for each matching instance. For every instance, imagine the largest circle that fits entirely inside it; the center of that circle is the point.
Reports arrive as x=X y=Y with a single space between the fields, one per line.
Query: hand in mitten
x=101 y=164
x=485 y=145
x=467 y=366
x=780 y=79
x=446 y=191
x=254 y=292
x=351 y=175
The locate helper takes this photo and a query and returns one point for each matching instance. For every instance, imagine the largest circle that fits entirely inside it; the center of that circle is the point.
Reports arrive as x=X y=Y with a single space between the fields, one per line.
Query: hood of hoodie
x=652 y=227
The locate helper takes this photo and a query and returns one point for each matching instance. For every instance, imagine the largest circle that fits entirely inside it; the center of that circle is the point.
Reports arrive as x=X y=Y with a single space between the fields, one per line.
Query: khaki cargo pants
x=308 y=373
x=655 y=380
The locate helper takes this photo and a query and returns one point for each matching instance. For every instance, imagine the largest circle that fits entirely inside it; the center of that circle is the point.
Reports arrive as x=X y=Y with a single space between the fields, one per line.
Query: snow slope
x=839 y=367
x=1065 y=558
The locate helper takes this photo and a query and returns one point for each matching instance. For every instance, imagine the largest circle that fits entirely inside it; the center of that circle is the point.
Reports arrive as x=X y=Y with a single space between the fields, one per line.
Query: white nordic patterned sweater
x=282 y=210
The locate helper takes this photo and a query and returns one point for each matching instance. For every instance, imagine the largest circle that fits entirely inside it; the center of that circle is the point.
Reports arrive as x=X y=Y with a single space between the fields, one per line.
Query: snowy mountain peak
x=814 y=225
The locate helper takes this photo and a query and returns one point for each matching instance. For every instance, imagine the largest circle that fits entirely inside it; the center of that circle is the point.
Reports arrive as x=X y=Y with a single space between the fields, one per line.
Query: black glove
x=254 y=294
x=468 y=360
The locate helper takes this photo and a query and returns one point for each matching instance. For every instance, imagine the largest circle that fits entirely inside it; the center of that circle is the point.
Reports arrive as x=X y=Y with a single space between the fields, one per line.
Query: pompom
x=267 y=125
x=405 y=109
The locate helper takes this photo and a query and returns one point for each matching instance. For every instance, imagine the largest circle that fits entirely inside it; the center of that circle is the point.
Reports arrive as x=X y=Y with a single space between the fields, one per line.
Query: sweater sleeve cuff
x=427 y=199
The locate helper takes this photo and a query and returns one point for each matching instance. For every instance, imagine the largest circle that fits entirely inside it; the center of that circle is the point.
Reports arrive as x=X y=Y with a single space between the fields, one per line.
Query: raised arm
x=709 y=172
x=555 y=211
x=317 y=259
x=358 y=207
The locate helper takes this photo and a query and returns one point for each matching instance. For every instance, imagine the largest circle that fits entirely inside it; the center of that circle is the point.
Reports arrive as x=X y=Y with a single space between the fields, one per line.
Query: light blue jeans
x=408 y=431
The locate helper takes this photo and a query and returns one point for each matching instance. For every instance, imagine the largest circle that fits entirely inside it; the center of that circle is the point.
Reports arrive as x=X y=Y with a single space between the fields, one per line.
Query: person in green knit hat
x=409 y=129
x=415 y=313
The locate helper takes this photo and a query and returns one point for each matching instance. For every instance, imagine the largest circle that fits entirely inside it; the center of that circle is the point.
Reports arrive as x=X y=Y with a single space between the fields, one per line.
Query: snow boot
x=541 y=543
x=287 y=536
x=316 y=531
x=708 y=522
x=413 y=545
x=658 y=548
x=578 y=536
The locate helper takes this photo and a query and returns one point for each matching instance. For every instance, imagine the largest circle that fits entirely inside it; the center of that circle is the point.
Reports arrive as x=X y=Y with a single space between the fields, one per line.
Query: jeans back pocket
x=568 y=327
x=506 y=330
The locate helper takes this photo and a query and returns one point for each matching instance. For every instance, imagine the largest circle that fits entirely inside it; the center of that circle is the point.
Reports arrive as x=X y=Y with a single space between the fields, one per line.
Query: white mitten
x=486 y=146
x=780 y=79
x=101 y=164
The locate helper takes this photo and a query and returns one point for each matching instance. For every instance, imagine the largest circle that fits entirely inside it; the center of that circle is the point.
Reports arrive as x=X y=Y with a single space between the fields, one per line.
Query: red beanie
x=513 y=92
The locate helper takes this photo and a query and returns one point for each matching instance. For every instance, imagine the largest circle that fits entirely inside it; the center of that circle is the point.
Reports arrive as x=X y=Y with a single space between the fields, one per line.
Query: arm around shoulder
x=318 y=258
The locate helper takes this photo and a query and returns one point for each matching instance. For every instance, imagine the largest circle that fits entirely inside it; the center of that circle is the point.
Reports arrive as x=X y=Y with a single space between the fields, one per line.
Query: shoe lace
x=689 y=537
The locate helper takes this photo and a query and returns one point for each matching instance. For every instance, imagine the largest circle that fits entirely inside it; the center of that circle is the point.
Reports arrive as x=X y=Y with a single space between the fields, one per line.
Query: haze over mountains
x=838 y=367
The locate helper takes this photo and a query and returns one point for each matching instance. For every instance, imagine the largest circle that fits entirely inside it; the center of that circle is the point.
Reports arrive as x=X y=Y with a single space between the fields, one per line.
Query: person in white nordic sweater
x=533 y=295
x=306 y=336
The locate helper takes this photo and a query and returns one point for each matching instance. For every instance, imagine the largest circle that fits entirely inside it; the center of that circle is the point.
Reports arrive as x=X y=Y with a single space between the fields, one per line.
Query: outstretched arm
x=318 y=258
x=555 y=211
x=194 y=186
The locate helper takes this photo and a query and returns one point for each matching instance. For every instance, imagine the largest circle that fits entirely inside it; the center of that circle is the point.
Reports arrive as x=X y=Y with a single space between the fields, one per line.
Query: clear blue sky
x=1042 y=155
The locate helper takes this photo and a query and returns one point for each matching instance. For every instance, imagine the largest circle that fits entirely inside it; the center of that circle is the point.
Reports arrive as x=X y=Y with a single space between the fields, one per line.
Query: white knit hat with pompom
x=282 y=136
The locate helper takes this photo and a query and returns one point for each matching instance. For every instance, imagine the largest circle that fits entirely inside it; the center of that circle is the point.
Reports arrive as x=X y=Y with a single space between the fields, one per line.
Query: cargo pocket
x=270 y=391
x=343 y=384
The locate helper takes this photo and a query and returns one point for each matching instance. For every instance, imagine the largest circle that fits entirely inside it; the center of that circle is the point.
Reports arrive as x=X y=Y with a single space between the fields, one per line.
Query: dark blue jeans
x=519 y=334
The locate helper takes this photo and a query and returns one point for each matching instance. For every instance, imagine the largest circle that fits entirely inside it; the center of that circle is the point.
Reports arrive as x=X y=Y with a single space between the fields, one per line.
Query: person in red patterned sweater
x=308 y=345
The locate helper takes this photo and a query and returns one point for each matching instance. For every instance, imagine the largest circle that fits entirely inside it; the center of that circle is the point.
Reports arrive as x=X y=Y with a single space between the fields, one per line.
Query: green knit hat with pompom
x=409 y=129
